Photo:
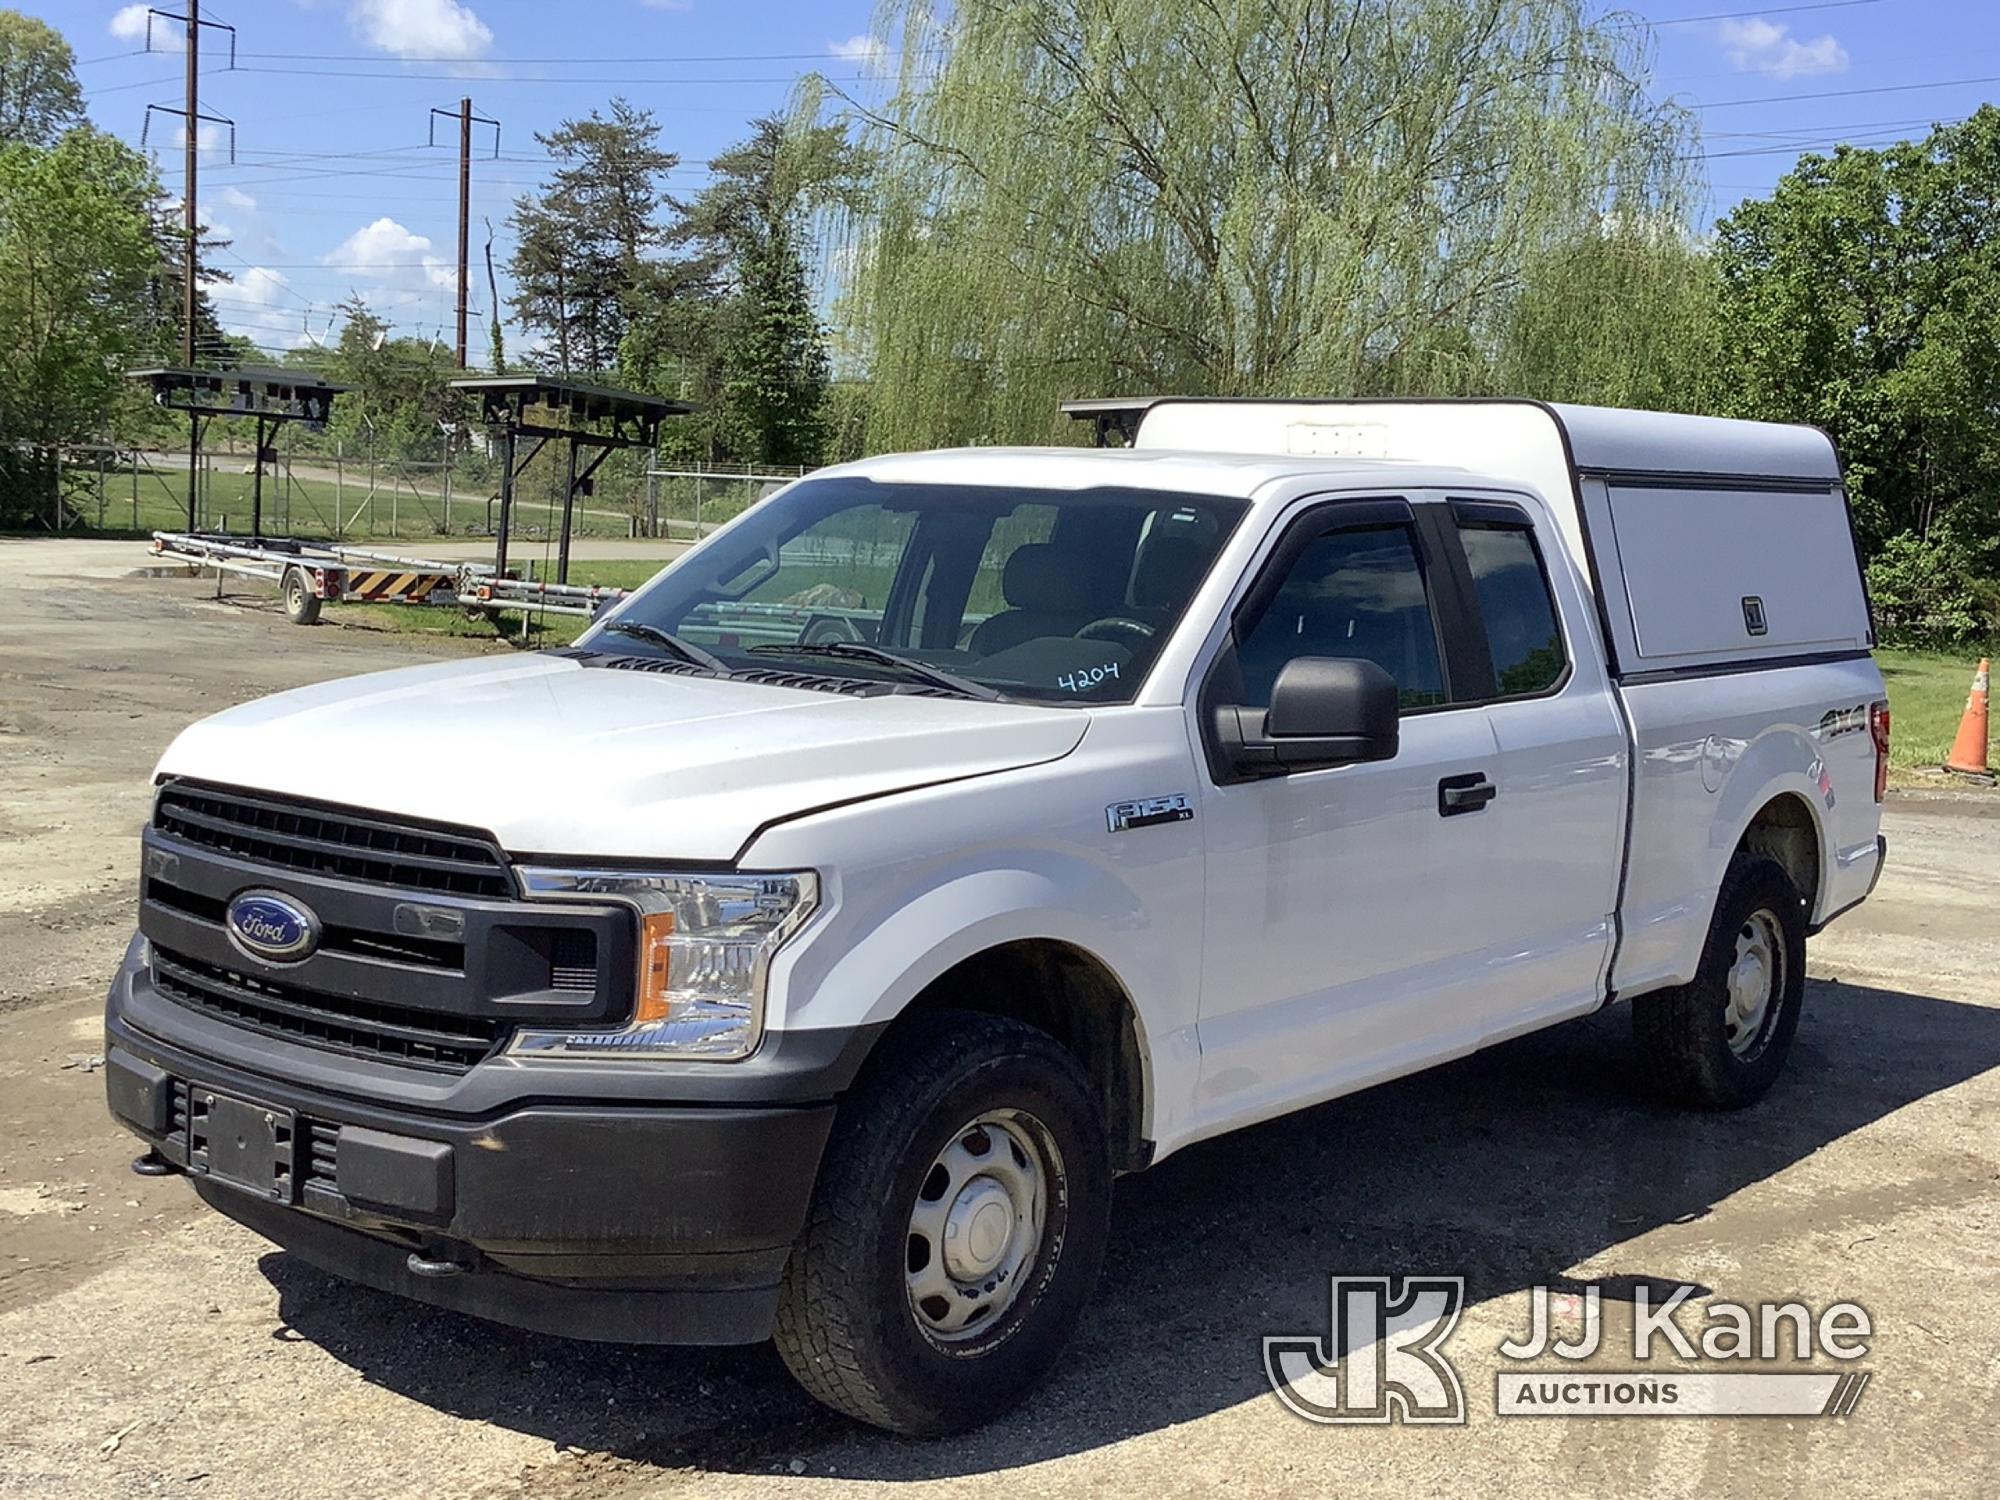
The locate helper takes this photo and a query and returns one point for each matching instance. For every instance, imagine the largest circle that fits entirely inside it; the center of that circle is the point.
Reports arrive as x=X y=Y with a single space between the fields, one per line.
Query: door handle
x=1464 y=794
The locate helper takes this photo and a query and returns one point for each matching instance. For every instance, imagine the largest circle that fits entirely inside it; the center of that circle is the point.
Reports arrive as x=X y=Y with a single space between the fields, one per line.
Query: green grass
x=302 y=507
x=617 y=575
x=543 y=630
x=1927 y=691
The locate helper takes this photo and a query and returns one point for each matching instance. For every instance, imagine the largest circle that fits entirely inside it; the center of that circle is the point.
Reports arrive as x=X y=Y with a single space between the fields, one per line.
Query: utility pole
x=193 y=217
x=464 y=217
x=465 y=117
x=193 y=134
x=191 y=117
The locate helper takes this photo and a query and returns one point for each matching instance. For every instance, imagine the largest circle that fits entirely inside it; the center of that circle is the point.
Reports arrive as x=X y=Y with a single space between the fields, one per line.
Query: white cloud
x=862 y=50
x=129 y=25
x=387 y=251
x=395 y=270
x=237 y=199
x=1759 y=46
x=420 y=28
x=258 y=284
x=257 y=303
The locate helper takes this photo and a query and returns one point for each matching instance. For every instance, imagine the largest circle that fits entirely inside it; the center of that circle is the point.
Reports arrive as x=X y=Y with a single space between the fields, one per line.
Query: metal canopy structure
x=545 y=409
x=269 y=397
x=1109 y=414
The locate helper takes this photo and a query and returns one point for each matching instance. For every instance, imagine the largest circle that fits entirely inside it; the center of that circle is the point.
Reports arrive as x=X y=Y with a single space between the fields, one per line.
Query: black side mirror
x=1325 y=711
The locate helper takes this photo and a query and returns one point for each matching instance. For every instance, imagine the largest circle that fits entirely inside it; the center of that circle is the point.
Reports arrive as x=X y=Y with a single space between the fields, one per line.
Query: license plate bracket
x=247 y=1145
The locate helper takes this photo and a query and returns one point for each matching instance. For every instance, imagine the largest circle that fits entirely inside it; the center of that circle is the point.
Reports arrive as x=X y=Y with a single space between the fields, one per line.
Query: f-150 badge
x=1148 y=812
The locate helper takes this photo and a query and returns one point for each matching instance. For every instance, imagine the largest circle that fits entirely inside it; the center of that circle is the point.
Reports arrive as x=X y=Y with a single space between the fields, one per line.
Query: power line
x=147 y=83
x=503 y=80
x=340 y=265
x=1780 y=10
x=1830 y=128
x=684 y=57
x=1800 y=147
x=392 y=74
x=1889 y=88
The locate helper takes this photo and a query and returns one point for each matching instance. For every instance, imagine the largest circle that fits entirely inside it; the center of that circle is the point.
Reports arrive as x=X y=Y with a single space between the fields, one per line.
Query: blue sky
x=334 y=190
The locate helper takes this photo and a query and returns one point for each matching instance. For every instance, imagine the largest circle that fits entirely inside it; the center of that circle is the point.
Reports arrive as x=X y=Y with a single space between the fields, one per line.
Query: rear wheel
x=956 y=1230
x=1721 y=1041
x=301 y=603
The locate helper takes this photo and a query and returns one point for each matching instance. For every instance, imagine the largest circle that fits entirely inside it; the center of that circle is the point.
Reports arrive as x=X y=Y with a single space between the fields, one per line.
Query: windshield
x=1045 y=595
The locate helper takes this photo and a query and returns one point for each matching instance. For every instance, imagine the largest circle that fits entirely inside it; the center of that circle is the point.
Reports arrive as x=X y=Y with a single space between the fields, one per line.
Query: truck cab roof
x=1244 y=476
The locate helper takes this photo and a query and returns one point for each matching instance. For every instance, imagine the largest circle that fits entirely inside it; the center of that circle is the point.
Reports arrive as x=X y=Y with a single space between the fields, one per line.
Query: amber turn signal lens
x=656 y=931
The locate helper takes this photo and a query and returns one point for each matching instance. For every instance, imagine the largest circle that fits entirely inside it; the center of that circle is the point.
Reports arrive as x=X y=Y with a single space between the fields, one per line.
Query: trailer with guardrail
x=310 y=574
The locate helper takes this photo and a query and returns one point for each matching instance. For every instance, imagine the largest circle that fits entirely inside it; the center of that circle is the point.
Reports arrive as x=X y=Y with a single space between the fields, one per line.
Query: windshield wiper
x=685 y=650
x=861 y=651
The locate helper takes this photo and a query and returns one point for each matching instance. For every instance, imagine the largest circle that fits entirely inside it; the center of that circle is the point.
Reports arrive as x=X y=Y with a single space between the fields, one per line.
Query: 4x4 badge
x=1147 y=812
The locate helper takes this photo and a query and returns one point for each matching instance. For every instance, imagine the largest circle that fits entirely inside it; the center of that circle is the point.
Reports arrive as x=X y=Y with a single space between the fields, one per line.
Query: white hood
x=555 y=758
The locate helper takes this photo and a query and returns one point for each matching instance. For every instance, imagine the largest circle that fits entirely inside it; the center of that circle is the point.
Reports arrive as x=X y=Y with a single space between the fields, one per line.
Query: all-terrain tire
x=301 y=603
x=1695 y=1048
x=850 y=1326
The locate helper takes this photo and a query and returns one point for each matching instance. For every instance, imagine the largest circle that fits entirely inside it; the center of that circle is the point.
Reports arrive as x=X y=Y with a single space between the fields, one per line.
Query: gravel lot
x=148 y=1347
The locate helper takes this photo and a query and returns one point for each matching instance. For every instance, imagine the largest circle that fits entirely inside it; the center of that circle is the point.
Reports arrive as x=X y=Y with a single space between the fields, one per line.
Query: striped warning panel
x=381 y=584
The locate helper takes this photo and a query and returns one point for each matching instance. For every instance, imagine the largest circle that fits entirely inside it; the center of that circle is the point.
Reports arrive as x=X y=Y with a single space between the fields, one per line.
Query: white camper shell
x=1711 y=543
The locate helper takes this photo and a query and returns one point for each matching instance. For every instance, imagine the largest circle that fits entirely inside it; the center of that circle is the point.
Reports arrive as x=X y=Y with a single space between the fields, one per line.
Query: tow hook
x=152 y=1164
x=423 y=1265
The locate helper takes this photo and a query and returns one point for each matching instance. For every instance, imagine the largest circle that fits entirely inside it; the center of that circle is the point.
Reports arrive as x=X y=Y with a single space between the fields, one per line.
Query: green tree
x=1864 y=296
x=77 y=254
x=1626 y=316
x=1926 y=591
x=399 y=386
x=1230 y=196
x=39 y=98
x=736 y=317
x=583 y=243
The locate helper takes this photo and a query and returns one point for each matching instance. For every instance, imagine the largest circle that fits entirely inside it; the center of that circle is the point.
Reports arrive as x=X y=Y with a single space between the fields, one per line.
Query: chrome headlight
x=706 y=941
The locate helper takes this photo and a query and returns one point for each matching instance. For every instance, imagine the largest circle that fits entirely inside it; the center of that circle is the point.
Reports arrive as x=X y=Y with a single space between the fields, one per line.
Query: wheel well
x=1068 y=993
x=1784 y=831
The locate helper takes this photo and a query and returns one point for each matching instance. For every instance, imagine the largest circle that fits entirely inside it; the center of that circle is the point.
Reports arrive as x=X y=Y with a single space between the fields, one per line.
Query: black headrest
x=1046 y=579
x=1167 y=570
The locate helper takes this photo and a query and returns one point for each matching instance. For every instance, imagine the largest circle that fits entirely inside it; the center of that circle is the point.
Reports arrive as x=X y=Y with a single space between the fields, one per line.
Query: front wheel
x=956 y=1230
x=1721 y=1041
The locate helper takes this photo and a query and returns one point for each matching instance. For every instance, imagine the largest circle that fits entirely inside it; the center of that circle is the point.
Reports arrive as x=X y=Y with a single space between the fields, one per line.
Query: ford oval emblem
x=272 y=927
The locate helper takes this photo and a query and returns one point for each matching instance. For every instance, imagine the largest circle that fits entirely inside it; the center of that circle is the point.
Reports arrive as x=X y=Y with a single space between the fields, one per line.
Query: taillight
x=1878 y=727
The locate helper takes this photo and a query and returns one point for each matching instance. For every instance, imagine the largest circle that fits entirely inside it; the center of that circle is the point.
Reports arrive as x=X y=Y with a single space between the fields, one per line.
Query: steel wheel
x=301 y=603
x=977 y=1224
x=1757 y=974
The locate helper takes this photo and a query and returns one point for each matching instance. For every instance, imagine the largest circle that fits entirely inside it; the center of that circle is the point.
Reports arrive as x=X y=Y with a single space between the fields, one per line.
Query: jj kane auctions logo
x=1382 y=1358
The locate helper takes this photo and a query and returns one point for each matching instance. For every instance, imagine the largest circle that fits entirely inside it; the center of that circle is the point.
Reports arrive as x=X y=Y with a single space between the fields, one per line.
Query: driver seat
x=1167 y=572
x=1047 y=590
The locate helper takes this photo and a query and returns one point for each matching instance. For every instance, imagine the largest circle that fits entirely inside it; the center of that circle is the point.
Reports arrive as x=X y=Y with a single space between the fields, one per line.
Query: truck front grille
x=362 y=1028
x=322 y=839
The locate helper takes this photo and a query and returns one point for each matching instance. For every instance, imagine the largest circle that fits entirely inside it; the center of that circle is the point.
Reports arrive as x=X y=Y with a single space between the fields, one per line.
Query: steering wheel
x=1114 y=628
x=822 y=629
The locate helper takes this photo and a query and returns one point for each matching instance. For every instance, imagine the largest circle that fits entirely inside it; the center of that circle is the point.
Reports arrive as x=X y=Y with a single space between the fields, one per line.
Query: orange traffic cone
x=1968 y=751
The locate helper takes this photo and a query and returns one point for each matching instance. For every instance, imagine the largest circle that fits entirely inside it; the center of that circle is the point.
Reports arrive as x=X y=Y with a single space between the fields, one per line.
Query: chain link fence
x=336 y=492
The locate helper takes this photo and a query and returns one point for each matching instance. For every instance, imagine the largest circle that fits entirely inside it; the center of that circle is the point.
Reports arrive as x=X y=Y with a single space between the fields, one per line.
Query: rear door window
x=1519 y=612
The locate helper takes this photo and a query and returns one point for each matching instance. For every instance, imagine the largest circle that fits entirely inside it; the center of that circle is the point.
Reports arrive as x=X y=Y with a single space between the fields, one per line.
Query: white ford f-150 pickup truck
x=804 y=951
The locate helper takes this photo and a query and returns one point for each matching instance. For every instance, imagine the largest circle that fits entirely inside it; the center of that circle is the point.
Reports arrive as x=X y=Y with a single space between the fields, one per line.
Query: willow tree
x=1228 y=196
x=1629 y=315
